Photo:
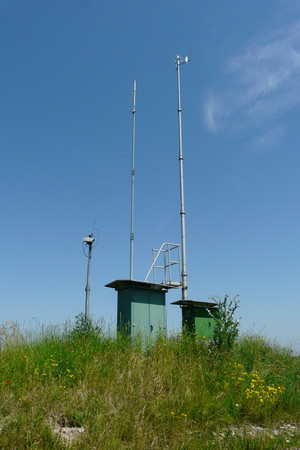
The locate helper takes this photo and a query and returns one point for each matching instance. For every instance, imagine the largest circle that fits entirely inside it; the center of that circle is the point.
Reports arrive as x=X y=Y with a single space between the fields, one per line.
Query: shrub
x=226 y=326
x=84 y=327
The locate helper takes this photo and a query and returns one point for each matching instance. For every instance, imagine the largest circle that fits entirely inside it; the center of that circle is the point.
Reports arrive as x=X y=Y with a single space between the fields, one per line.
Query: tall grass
x=180 y=392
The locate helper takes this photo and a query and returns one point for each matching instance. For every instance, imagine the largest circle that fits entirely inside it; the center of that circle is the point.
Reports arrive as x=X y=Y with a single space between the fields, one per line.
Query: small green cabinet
x=197 y=317
x=141 y=307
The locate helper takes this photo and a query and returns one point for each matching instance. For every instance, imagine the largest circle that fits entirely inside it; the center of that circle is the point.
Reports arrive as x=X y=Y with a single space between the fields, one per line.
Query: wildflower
x=7 y=381
x=172 y=412
x=184 y=415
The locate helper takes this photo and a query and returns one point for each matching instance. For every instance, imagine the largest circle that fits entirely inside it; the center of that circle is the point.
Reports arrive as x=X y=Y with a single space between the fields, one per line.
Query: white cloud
x=212 y=113
x=269 y=138
x=268 y=67
x=263 y=82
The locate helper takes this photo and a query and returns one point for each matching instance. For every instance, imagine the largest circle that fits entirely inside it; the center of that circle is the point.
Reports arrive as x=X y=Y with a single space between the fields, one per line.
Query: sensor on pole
x=88 y=242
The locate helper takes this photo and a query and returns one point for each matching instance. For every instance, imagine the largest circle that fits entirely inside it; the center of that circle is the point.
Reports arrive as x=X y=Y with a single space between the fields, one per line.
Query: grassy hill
x=86 y=389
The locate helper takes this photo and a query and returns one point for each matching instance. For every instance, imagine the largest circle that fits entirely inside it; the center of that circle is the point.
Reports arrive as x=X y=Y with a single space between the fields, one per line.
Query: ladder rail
x=165 y=250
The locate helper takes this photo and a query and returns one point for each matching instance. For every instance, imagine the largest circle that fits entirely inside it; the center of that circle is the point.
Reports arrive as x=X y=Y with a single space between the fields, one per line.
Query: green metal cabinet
x=141 y=307
x=196 y=317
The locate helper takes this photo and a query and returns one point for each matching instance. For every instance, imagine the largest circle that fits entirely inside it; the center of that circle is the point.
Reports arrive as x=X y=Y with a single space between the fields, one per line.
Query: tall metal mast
x=132 y=182
x=179 y=61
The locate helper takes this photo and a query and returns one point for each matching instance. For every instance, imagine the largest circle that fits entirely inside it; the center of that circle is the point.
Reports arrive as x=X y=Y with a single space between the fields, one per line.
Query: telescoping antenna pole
x=179 y=61
x=132 y=182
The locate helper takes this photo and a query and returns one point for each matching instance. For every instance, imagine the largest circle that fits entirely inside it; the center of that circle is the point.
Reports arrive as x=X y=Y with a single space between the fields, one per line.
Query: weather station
x=141 y=306
x=141 y=309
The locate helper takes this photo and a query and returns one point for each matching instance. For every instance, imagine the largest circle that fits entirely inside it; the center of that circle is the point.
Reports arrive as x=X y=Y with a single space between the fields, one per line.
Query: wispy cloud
x=263 y=82
x=213 y=112
x=269 y=137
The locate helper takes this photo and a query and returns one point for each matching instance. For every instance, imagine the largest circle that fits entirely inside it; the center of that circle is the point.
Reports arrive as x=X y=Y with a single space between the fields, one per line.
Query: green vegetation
x=180 y=392
x=226 y=326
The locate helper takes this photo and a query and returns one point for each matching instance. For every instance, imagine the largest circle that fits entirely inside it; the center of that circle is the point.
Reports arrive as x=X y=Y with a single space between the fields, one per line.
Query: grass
x=179 y=393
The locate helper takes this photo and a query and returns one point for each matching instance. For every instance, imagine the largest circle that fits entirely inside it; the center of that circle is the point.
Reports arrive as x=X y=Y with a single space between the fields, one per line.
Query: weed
x=226 y=327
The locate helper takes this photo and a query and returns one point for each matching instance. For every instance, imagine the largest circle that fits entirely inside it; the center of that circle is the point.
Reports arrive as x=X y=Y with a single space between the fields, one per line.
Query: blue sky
x=67 y=71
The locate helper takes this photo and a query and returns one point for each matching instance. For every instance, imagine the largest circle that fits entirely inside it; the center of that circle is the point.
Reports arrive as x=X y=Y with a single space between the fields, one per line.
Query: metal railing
x=165 y=250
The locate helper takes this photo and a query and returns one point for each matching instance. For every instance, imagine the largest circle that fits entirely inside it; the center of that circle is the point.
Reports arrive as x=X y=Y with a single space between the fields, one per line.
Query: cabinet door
x=205 y=327
x=148 y=314
x=141 y=315
x=158 y=322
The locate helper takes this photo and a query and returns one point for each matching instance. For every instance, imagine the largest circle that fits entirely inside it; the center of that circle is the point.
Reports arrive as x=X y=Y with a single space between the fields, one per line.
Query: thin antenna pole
x=132 y=181
x=88 y=288
x=178 y=63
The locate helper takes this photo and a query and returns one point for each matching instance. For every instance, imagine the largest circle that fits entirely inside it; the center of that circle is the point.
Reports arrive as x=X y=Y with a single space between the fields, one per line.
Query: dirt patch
x=286 y=430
